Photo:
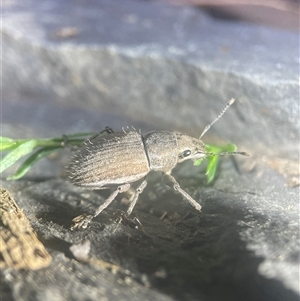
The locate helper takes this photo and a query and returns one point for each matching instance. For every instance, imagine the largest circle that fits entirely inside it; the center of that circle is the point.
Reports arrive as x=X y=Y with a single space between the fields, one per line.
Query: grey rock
x=80 y=66
x=162 y=65
x=243 y=246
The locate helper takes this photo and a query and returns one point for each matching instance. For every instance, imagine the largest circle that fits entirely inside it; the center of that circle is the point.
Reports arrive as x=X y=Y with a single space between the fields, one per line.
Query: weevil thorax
x=160 y=147
x=189 y=148
x=165 y=149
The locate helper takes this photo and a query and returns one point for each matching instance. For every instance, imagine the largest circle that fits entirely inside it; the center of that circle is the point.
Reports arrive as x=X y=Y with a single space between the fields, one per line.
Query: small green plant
x=37 y=149
x=213 y=161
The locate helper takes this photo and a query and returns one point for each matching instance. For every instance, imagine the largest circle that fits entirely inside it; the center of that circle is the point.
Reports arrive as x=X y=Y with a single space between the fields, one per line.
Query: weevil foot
x=81 y=221
x=123 y=217
x=134 y=223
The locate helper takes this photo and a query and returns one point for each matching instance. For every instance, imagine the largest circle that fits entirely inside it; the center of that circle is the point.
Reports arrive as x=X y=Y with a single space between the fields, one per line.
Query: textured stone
x=166 y=66
x=243 y=246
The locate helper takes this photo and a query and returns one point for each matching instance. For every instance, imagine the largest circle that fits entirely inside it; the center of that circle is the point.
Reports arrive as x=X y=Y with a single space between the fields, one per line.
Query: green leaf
x=7 y=143
x=14 y=155
x=17 y=148
x=211 y=168
x=28 y=163
x=213 y=161
x=198 y=162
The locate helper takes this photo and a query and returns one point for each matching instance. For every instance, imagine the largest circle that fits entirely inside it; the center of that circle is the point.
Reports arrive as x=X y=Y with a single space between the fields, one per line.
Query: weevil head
x=189 y=148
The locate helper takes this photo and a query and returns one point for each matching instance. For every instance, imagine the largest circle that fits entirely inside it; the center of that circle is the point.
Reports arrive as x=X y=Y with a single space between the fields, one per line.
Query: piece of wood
x=19 y=245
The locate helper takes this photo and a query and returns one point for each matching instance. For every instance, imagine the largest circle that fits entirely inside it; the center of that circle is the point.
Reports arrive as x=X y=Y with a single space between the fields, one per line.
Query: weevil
x=121 y=158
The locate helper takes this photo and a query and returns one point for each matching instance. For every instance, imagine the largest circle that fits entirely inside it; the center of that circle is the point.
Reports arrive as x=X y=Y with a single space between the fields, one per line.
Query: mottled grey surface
x=163 y=65
x=244 y=245
x=155 y=66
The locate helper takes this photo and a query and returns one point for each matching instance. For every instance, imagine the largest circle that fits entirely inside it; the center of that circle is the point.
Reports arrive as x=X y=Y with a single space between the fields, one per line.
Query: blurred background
x=280 y=14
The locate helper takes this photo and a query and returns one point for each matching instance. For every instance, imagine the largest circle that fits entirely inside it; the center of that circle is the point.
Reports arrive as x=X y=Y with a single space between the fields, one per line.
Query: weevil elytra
x=121 y=158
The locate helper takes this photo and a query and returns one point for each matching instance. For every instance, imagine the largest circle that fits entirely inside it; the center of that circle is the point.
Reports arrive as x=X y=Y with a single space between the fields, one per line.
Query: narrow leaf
x=28 y=163
x=7 y=143
x=211 y=168
x=198 y=162
x=213 y=161
x=14 y=155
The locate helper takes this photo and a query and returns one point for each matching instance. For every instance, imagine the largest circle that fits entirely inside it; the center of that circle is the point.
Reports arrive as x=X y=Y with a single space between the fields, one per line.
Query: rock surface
x=163 y=65
x=80 y=66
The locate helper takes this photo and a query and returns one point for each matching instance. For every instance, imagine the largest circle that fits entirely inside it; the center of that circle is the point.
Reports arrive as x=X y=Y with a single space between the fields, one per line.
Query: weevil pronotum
x=121 y=158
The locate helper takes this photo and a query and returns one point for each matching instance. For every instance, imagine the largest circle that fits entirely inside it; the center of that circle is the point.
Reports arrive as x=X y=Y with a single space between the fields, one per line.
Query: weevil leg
x=139 y=190
x=120 y=189
x=171 y=181
x=66 y=142
x=108 y=130
x=83 y=220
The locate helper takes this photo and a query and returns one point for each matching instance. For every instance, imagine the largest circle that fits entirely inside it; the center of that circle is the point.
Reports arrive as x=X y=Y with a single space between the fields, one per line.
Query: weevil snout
x=189 y=148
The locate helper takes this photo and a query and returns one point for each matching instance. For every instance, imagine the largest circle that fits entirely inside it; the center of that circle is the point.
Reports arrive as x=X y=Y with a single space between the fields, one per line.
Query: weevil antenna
x=228 y=153
x=230 y=102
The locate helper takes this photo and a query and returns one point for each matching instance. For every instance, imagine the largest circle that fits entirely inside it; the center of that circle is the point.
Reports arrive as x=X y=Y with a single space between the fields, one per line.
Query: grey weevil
x=120 y=158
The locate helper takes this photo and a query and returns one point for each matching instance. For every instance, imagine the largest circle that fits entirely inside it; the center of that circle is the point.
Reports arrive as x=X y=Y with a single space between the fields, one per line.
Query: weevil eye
x=186 y=153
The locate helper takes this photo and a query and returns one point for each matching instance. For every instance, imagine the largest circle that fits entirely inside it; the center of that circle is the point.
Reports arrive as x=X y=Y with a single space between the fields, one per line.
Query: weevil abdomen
x=109 y=160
